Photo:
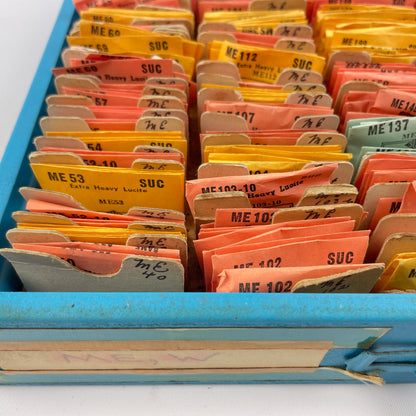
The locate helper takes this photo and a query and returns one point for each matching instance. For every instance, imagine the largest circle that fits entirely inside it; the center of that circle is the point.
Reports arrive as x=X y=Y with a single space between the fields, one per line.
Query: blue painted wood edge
x=27 y=122
x=319 y=376
x=182 y=310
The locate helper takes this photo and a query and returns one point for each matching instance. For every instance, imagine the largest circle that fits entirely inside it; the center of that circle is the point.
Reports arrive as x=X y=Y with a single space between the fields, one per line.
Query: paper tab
x=46 y=273
x=355 y=211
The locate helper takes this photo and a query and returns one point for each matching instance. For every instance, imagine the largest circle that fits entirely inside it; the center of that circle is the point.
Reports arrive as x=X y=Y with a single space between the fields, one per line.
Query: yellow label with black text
x=260 y=22
x=264 y=64
x=375 y=39
x=143 y=43
x=113 y=189
x=107 y=14
x=108 y=30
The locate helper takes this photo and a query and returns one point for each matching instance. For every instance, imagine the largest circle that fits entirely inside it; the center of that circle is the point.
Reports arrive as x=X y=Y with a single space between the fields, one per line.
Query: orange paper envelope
x=105 y=98
x=385 y=206
x=122 y=71
x=267 y=117
x=275 y=280
x=94 y=258
x=123 y=4
x=332 y=251
x=115 y=159
x=209 y=230
x=393 y=101
x=265 y=190
x=384 y=176
x=284 y=235
x=269 y=233
x=233 y=217
x=380 y=161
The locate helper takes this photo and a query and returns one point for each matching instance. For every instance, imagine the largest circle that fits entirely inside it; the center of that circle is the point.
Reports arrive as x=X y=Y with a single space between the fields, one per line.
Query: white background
x=25 y=26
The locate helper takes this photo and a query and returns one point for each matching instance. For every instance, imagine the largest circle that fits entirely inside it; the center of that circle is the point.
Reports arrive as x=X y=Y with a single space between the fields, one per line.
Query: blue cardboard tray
x=208 y=337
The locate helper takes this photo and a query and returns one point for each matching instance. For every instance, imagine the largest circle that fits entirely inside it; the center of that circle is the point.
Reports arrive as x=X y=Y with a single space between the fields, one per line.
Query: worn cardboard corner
x=354 y=281
x=40 y=272
x=211 y=121
x=215 y=170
